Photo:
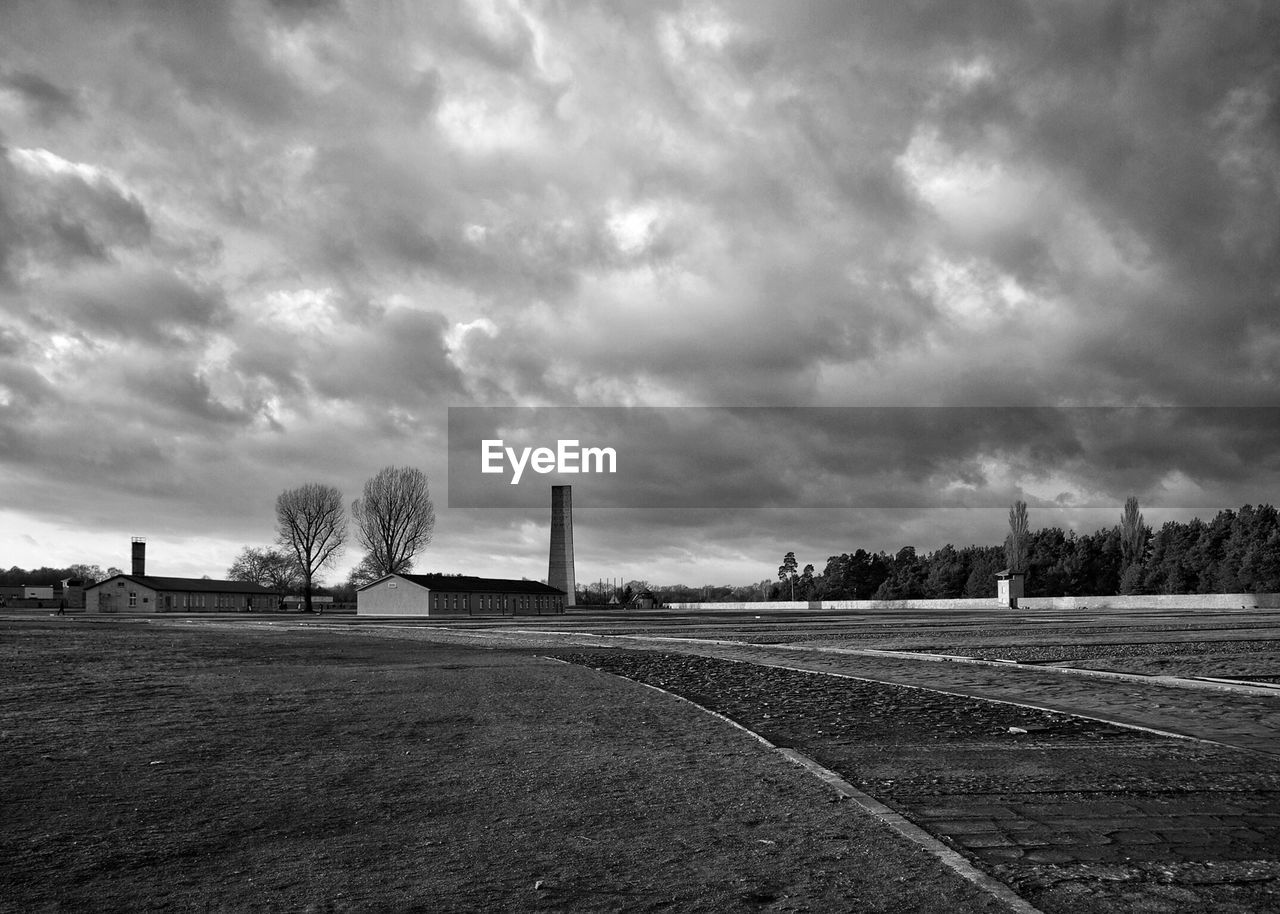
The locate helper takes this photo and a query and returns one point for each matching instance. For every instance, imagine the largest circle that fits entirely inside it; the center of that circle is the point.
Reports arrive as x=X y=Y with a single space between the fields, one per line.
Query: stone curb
x=868 y=804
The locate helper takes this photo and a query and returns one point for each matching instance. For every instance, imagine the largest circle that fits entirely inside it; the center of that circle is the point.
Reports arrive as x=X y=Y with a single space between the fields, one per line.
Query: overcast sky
x=247 y=245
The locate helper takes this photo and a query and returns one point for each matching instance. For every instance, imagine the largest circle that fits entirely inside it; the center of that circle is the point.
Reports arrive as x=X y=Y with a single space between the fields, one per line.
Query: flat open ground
x=150 y=767
x=345 y=764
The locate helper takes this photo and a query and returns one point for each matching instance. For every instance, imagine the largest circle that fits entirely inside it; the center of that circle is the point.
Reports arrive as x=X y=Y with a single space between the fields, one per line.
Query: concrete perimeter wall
x=838 y=605
x=1151 y=601
x=1158 y=601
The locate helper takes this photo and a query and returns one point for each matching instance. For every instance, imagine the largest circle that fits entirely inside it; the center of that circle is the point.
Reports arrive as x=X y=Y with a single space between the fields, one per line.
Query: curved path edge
x=867 y=803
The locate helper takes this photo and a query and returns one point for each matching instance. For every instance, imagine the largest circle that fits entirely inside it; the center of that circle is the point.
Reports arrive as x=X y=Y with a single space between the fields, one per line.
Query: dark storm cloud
x=304 y=7
x=886 y=457
x=399 y=358
x=218 y=58
x=1153 y=119
x=47 y=102
x=148 y=307
x=24 y=392
x=183 y=394
x=51 y=211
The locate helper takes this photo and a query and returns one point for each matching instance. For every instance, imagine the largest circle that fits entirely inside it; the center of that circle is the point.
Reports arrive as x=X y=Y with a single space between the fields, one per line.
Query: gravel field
x=1076 y=815
x=1235 y=659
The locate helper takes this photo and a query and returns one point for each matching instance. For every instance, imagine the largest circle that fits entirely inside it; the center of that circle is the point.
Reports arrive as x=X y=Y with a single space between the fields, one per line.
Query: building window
x=133 y=598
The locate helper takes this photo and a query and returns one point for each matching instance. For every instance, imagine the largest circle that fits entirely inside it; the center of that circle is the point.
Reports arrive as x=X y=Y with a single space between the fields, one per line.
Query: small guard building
x=1010 y=587
x=400 y=595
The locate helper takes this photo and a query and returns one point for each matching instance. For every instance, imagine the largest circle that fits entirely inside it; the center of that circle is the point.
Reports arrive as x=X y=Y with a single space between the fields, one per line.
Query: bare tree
x=311 y=523
x=275 y=569
x=394 y=520
x=1015 y=544
x=1133 y=533
x=362 y=573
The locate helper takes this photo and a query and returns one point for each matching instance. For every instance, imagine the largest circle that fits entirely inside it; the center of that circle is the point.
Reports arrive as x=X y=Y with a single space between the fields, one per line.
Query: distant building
x=456 y=595
x=645 y=599
x=130 y=593
x=68 y=594
x=140 y=592
x=73 y=592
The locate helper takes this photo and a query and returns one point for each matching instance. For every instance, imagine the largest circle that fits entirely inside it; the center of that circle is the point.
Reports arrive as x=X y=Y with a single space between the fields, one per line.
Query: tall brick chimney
x=560 y=568
x=139 y=557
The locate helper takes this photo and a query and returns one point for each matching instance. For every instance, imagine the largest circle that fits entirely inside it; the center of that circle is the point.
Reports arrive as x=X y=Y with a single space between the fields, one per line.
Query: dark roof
x=191 y=585
x=461 y=583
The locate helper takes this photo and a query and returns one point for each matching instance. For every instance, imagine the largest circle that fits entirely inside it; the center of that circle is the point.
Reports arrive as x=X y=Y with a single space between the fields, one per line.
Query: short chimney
x=139 y=557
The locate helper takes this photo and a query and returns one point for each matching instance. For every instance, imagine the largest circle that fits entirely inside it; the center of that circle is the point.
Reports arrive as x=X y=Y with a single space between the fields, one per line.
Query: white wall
x=112 y=598
x=393 y=597
x=1158 y=601
x=1155 y=601
x=825 y=605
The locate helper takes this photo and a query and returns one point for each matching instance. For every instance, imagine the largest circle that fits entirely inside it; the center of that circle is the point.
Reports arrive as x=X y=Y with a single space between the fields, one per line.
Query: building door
x=168 y=602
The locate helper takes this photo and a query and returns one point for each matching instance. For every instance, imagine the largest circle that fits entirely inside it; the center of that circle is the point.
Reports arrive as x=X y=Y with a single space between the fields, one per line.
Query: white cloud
x=310 y=312
x=43 y=163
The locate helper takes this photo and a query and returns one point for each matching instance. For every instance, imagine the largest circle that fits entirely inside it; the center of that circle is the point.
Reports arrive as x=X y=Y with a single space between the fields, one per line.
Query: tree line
x=1236 y=552
x=46 y=576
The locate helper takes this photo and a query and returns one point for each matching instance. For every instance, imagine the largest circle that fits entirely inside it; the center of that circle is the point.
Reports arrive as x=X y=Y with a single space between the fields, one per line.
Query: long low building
x=139 y=593
x=456 y=595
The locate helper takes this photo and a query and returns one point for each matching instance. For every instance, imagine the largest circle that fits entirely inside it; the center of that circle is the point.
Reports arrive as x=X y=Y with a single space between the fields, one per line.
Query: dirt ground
x=149 y=767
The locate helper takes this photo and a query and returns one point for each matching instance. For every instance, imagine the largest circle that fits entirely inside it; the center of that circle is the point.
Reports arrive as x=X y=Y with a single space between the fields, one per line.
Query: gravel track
x=1077 y=815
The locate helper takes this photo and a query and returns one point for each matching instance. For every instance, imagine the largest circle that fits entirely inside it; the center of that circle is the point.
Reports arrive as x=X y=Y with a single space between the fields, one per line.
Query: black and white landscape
x=247 y=245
